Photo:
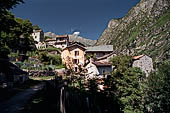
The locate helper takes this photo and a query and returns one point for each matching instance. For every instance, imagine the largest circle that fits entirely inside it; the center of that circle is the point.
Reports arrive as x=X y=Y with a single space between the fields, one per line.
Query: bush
x=50 y=59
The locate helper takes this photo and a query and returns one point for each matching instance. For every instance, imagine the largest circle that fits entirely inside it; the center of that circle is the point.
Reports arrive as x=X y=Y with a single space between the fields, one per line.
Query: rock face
x=144 y=30
x=74 y=38
x=85 y=41
x=50 y=34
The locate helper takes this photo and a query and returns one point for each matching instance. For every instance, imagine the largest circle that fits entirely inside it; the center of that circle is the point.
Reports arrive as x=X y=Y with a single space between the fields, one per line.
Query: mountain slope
x=144 y=30
x=85 y=41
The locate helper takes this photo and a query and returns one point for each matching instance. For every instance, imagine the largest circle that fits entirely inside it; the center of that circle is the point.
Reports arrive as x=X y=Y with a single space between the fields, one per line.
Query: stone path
x=16 y=103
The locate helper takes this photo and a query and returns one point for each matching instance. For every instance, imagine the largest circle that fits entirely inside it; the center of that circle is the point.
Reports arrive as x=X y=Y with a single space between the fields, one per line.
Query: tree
x=8 y=22
x=126 y=82
x=8 y=4
x=36 y=27
x=14 y=32
x=157 y=99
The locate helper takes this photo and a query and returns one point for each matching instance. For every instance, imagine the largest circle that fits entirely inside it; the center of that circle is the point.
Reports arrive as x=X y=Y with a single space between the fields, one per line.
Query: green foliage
x=50 y=59
x=126 y=83
x=8 y=4
x=36 y=27
x=47 y=37
x=157 y=98
x=14 y=32
x=52 y=49
x=4 y=51
x=163 y=19
x=121 y=63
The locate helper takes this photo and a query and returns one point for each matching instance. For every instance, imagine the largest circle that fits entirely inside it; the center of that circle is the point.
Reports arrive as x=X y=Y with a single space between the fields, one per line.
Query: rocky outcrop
x=50 y=34
x=85 y=41
x=144 y=30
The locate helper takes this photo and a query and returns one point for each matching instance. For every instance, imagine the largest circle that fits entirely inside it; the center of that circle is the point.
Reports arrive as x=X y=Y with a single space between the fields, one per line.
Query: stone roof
x=137 y=57
x=102 y=63
x=62 y=36
x=39 y=30
x=76 y=44
x=49 y=39
x=101 y=48
x=106 y=56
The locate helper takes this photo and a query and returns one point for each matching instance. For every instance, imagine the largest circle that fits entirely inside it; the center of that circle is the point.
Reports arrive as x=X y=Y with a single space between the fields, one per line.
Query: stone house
x=38 y=35
x=50 y=42
x=104 y=68
x=61 y=41
x=99 y=51
x=144 y=62
x=73 y=56
x=98 y=68
x=41 y=45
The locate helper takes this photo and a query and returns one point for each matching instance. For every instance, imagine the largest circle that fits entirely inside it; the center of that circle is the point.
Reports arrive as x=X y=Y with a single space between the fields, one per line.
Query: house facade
x=96 y=68
x=99 y=51
x=62 y=41
x=41 y=45
x=50 y=42
x=38 y=35
x=144 y=62
x=73 y=56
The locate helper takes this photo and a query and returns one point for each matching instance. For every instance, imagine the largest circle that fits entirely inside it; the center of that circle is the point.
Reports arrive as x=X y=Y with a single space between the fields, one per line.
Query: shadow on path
x=16 y=103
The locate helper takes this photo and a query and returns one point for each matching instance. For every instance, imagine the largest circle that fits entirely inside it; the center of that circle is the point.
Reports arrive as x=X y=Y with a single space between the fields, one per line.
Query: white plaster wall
x=92 y=70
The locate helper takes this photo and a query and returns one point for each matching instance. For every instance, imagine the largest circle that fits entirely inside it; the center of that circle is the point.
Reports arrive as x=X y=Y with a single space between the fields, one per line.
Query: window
x=35 y=36
x=76 y=53
x=76 y=69
x=76 y=61
x=104 y=72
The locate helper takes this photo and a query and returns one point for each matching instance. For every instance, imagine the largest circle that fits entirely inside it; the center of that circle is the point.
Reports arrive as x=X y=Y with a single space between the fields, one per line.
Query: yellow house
x=73 y=56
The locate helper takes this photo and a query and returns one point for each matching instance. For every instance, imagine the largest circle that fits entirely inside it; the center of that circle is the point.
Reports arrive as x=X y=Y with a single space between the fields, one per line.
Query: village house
x=74 y=56
x=61 y=41
x=99 y=51
x=41 y=45
x=38 y=36
x=144 y=62
x=98 y=68
x=50 y=42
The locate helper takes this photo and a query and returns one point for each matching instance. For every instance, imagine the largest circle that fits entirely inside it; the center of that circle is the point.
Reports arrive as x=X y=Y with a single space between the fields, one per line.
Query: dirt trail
x=16 y=103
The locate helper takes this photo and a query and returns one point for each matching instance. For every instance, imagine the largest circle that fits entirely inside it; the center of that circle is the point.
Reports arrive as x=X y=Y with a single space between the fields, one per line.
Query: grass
x=51 y=49
x=60 y=66
x=42 y=78
x=163 y=19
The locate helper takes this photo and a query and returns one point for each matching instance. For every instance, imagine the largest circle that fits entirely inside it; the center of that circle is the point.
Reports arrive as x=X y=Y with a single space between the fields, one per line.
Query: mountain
x=50 y=34
x=74 y=38
x=144 y=30
x=85 y=41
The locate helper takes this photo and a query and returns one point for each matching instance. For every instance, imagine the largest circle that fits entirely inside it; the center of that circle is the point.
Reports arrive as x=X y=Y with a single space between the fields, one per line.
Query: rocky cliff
x=144 y=30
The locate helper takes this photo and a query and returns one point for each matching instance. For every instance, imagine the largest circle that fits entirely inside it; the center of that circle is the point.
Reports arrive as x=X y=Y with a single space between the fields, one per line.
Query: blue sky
x=89 y=17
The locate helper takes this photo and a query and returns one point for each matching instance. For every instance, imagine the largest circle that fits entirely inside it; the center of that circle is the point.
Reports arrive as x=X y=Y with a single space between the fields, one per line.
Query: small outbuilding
x=144 y=62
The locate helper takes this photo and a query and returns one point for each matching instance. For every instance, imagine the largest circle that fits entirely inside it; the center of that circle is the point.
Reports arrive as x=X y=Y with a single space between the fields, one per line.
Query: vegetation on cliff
x=144 y=30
